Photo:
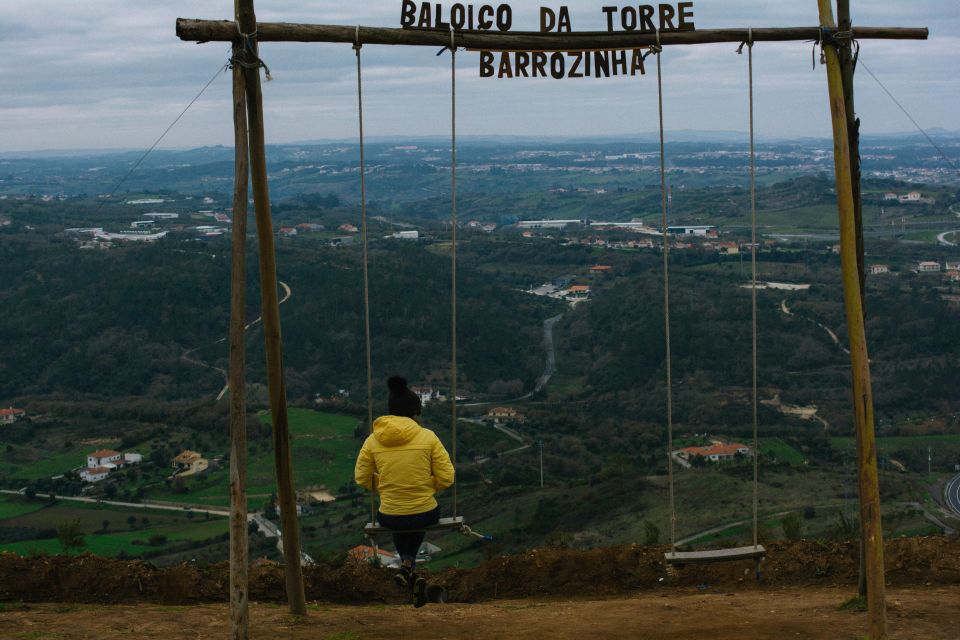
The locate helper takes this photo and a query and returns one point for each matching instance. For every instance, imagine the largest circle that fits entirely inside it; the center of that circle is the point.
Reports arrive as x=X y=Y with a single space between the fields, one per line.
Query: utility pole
x=929 y=460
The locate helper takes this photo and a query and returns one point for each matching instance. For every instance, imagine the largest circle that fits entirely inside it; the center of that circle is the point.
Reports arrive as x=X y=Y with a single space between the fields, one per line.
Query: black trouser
x=408 y=542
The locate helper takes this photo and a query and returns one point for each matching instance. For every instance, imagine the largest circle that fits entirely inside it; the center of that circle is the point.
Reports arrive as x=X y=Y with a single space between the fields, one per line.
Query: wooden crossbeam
x=226 y=31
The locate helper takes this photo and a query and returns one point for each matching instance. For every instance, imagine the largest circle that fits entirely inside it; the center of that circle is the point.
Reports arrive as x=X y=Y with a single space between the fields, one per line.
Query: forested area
x=117 y=323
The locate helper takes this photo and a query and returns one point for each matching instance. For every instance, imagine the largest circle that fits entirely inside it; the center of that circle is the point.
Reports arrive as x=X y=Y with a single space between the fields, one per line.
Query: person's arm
x=443 y=471
x=365 y=470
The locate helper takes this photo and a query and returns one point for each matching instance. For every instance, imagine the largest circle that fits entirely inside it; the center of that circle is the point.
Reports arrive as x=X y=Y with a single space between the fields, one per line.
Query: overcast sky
x=113 y=74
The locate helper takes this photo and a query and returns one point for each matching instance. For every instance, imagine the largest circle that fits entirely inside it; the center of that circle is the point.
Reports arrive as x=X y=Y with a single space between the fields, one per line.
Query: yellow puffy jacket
x=405 y=463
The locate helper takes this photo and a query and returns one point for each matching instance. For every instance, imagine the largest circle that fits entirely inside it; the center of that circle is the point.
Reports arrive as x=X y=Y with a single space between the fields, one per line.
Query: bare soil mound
x=550 y=572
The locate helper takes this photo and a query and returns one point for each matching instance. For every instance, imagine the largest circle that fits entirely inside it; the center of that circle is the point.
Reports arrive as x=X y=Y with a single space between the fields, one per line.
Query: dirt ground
x=915 y=613
x=556 y=593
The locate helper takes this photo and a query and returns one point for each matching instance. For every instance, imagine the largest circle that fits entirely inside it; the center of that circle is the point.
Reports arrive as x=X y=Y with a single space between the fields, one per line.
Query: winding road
x=287 y=292
x=549 y=367
x=942 y=238
x=951 y=494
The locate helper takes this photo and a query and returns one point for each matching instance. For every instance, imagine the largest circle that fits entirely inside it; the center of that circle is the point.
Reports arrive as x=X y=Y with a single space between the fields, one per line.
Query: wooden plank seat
x=445 y=524
x=715 y=555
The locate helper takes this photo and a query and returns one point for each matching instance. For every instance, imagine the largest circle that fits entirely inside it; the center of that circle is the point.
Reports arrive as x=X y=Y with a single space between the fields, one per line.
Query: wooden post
x=239 y=583
x=845 y=51
x=859 y=360
x=270 y=307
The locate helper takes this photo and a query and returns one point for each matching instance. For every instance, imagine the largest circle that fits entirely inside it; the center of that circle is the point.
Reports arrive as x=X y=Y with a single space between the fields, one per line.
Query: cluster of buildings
x=950 y=270
x=101 y=463
x=504 y=415
x=912 y=197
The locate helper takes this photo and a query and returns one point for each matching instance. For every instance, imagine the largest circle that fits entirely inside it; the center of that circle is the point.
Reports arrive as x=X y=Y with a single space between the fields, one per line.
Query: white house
x=133 y=458
x=11 y=415
x=716 y=452
x=102 y=458
x=94 y=474
x=928 y=266
x=879 y=268
x=427 y=394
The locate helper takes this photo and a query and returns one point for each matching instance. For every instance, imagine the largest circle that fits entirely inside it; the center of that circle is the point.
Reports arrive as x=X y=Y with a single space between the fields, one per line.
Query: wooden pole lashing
x=859 y=360
x=286 y=492
x=239 y=544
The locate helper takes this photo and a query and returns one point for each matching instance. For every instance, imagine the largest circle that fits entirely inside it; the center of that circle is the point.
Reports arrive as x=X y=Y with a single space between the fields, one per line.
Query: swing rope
x=753 y=290
x=366 y=280
x=753 y=287
x=658 y=50
x=453 y=260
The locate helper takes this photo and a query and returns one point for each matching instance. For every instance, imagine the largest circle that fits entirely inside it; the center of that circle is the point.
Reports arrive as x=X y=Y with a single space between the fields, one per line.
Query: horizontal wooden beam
x=226 y=31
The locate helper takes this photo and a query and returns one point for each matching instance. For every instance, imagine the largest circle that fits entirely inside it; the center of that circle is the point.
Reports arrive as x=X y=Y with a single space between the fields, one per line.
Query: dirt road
x=812 y=613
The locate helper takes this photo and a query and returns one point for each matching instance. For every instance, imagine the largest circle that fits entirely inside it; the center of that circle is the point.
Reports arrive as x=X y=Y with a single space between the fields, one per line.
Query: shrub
x=792 y=526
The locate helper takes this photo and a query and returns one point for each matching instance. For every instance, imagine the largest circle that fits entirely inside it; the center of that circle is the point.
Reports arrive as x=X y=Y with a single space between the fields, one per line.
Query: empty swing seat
x=715 y=555
x=445 y=524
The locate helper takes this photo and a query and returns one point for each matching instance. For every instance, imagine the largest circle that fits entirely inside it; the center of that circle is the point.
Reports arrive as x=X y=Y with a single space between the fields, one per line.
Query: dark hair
x=403 y=401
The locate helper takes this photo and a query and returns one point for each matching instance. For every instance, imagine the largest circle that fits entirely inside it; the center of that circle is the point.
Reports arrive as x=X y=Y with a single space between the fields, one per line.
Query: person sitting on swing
x=406 y=465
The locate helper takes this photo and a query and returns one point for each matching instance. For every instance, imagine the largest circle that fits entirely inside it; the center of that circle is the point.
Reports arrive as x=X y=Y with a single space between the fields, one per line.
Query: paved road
x=287 y=292
x=549 y=368
x=148 y=504
x=951 y=494
x=942 y=238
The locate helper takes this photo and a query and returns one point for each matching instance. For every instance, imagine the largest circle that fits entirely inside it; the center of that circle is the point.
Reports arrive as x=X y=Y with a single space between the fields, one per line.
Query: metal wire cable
x=907 y=113
x=220 y=70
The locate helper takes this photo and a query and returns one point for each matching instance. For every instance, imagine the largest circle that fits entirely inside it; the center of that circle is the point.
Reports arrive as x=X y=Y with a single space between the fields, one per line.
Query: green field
x=47 y=464
x=118 y=535
x=13 y=506
x=777 y=448
x=892 y=443
x=323 y=448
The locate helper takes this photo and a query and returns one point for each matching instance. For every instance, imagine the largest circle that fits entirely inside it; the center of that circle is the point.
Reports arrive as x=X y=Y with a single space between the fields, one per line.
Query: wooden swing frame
x=250 y=161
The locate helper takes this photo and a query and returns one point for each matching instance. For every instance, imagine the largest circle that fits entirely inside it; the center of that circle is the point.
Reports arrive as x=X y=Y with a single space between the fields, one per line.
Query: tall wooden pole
x=239 y=583
x=286 y=493
x=845 y=53
x=859 y=360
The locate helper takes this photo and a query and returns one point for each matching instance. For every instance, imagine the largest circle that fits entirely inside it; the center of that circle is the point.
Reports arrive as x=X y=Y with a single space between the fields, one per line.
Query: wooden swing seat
x=445 y=524
x=715 y=555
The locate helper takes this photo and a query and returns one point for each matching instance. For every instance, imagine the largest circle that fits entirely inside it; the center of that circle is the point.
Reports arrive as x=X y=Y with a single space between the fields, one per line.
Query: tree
x=145 y=521
x=132 y=521
x=189 y=515
x=70 y=535
x=105 y=524
x=110 y=491
x=30 y=492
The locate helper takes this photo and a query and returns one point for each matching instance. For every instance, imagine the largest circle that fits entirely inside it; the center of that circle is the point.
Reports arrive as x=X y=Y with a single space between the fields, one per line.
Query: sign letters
x=643 y=18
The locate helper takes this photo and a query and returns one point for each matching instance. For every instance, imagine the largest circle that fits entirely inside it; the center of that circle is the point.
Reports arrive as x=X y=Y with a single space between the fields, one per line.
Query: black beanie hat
x=403 y=401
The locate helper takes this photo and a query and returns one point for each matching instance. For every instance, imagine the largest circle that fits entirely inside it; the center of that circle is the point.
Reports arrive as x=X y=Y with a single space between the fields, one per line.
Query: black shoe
x=419 y=592
x=405 y=578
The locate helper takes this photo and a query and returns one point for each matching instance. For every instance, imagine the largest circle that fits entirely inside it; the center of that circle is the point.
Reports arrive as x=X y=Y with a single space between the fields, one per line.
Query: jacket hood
x=392 y=431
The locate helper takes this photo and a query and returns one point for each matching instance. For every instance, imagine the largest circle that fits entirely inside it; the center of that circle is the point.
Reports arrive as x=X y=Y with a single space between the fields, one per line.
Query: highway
x=951 y=494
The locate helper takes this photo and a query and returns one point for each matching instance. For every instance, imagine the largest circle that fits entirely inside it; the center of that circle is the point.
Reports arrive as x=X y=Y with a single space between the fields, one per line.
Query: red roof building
x=716 y=452
x=8 y=416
